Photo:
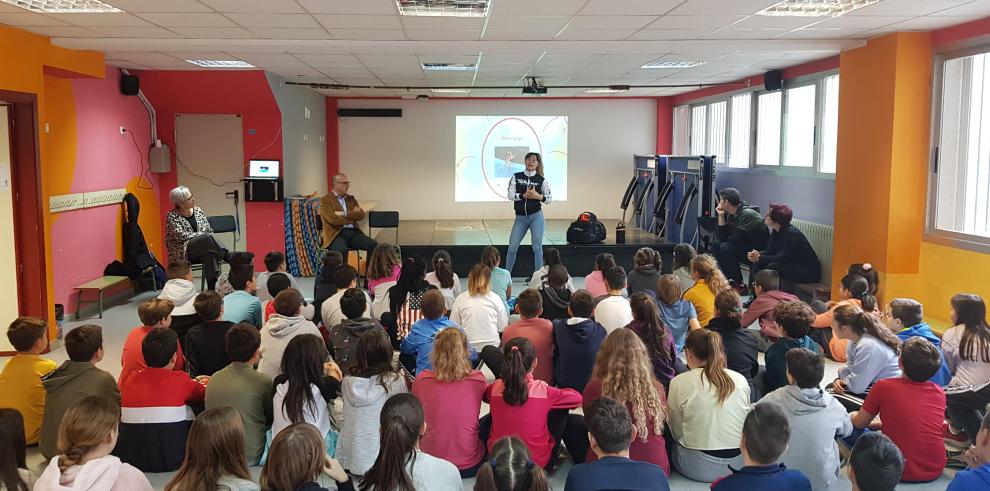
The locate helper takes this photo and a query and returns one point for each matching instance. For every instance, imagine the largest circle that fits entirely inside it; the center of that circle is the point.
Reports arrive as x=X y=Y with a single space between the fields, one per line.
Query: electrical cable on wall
x=145 y=170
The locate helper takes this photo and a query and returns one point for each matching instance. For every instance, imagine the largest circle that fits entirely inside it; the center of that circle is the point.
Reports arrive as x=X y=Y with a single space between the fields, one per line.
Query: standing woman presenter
x=528 y=190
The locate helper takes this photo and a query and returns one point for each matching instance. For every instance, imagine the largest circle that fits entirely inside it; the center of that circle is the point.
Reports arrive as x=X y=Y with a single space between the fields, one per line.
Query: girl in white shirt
x=444 y=277
x=966 y=348
x=707 y=406
x=307 y=385
x=479 y=311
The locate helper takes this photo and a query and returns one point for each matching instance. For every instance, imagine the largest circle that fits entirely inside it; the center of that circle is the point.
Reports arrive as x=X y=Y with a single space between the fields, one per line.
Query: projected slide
x=492 y=148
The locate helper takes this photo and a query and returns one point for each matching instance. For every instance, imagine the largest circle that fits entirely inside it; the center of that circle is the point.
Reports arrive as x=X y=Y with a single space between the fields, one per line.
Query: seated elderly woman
x=189 y=237
x=789 y=252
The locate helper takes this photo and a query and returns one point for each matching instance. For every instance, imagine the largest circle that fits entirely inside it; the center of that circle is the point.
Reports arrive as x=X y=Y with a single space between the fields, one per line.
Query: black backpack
x=137 y=256
x=586 y=230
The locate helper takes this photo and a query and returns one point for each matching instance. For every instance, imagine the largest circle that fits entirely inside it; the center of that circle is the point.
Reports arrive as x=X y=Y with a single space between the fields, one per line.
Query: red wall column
x=665 y=125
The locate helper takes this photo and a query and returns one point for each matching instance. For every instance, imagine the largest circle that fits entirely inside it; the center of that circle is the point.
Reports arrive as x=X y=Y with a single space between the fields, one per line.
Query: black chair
x=221 y=224
x=384 y=219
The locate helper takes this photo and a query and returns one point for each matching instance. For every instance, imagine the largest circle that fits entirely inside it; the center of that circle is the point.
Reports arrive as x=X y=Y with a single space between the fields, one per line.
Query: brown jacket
x=332 y=223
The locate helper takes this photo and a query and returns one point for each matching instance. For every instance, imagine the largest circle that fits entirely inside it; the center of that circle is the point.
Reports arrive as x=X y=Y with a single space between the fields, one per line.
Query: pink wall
x=85 y=241
x=224 y=92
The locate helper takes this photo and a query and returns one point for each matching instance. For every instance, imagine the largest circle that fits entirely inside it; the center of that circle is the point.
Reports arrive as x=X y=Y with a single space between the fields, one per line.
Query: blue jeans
x=534 y=224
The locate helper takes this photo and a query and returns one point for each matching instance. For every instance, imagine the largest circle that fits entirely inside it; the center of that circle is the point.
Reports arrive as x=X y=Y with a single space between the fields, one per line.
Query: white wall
x=9 y=309
x=407 y=163
x=304 y=130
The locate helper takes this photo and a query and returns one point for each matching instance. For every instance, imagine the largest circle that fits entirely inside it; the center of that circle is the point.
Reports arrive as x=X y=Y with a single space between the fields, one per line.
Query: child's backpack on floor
x=586 y=230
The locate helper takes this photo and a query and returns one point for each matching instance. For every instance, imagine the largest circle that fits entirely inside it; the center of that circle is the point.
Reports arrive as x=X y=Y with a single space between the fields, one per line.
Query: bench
x=98 y=286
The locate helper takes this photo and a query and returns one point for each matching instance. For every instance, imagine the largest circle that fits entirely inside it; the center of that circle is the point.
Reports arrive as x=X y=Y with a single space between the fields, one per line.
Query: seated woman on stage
x=789 y=252
x=189 y=237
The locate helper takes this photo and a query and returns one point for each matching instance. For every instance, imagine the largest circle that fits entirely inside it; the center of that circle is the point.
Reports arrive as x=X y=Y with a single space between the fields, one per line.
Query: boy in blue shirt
x=764 y=439
x=904 y=316
x=977 y=476
x=242 y=305
x=418 y=344
x=610 y=431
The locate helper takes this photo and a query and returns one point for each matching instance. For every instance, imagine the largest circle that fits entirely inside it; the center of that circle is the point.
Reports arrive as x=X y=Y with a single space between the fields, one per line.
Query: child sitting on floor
x=182 y=292
x=764 y=440
x=768 y=297
x=20 y=381
x=794 y=318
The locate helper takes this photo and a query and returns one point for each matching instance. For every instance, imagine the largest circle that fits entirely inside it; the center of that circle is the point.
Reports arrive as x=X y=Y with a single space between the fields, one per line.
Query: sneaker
x=955 y=439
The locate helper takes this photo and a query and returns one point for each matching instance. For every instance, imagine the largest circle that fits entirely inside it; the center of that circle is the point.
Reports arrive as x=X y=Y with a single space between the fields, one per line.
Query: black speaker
x=773 y=80
x=347 y=112
x=130 y=84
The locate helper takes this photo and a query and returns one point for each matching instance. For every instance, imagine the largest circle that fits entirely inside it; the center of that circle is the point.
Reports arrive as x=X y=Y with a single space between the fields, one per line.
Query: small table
x=98 y=285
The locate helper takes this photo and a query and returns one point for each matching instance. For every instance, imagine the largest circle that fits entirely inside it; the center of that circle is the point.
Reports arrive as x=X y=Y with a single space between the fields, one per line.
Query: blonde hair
x=450 y=355
x=215 y=448
x=623 y=367
x=668 y=289
x=296 y=456
x=707 y=346
x=479 y=280
x=85 y=425
x=706 y=267
x=154 y=310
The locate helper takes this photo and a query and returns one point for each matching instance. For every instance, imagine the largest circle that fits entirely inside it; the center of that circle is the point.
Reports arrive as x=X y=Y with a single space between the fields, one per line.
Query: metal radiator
x=820 y=237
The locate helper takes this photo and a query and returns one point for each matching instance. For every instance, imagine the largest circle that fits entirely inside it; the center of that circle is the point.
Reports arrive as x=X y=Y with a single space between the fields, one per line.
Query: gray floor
x=120 y=318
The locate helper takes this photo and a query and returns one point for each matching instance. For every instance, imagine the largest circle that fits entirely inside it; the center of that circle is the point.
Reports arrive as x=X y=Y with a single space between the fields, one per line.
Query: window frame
x=933 y=234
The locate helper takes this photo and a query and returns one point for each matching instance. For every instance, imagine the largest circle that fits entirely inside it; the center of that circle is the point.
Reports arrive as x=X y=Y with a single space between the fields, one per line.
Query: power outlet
x=122 y=130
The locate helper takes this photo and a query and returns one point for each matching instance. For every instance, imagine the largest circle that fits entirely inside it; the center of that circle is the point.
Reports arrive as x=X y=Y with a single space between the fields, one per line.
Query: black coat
x=740 y=346
x=790 y=246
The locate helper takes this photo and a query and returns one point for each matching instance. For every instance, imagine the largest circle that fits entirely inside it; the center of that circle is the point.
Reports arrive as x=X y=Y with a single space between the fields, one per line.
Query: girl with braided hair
x=511 y=469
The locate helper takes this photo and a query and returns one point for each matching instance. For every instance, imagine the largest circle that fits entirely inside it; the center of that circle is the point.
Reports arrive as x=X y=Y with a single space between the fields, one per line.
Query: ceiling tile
x=330 y=60
x=274 y=20
x=359 y=21
x=22 y=18
x=188 y=20
x=668 y=34
x=141 y=6
x=910 y=8
x=261 y=58
x=746 y=34
x=192 y=55
x=529 y=22
x=136 y=32
x=859 y=22
x=610 y=22
x=442 y=35
x=976 y=9
x=929 y=23
x=595 y=34
x=629 y=7
x=369 y=34
x=507 y=35
x=772 y=22
x=256 y=6
x=389 y=61
x=370 y=7
x=289 y=33
x=214 y=32
x=65 y=32
x=693 y=21
x=102 y=20
x=140 y=57
x=531 y=7
x=128 y=65
x=723 y=7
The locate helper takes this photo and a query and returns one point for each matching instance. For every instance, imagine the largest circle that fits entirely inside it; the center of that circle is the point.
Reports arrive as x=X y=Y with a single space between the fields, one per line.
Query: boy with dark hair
x=613 y=311
x=555 y=294
x=344 y=336
x=610 y=432
x=905 y=317
x=768 y=295
x=154 y=416
x=978 y=460
x=153 y=312
x=287 y=323
x=277 y=282
x=814 y=416
x=418 y=344
x=241 y=305
x=795 y=319
x=345 y=278
x=764 y=439
x=918 y=431
x=245 y=389
x=243 y=258
x=205 y=351
x=876 y=464
x=274 y=263
x=75 y=379
x=20 y=381
x=532 y=326
x=181 y=290
x=576 y=342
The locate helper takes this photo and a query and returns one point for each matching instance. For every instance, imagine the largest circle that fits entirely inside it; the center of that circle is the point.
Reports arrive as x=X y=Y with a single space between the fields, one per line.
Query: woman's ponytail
x=401 y=419
x=519 y=357
x=706 y=346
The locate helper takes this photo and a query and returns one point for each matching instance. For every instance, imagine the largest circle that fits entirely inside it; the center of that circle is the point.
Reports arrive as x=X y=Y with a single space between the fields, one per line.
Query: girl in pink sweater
x=595 y=282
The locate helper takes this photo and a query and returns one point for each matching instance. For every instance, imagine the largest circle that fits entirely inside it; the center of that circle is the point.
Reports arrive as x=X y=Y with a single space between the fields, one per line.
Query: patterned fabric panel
x=302 y=237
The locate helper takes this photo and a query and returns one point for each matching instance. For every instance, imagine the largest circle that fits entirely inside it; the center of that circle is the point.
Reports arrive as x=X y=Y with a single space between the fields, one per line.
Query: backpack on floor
x=586 y=230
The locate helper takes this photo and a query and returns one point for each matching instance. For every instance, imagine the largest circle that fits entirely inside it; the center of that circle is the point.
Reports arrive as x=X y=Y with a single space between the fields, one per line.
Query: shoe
x=955 y=440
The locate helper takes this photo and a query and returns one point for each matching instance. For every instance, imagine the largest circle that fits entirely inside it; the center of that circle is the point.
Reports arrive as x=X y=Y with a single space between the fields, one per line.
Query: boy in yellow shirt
x=20 y=381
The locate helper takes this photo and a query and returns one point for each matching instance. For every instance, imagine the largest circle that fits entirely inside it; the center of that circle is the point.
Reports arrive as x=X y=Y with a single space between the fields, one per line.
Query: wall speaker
x=130 y=84
x=773 y=80
x=346 y=112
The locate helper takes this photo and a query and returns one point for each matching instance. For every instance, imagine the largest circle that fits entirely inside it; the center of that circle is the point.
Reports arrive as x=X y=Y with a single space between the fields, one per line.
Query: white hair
x=179 y=195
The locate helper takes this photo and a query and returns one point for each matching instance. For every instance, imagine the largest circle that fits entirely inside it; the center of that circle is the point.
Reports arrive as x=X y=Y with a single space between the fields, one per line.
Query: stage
x=465 y=239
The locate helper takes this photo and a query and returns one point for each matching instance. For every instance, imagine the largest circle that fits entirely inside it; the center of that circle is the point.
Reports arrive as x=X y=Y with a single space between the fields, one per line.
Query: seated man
x=341 y=213
x=740 y=230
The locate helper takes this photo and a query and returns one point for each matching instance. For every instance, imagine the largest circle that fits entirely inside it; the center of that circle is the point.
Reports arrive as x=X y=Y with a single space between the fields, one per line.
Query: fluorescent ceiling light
x=449 y=67
x=443 y=8
x=814 y=8
x=64 y=6
x=450 y=91
x=606 y=90
x=672 y=64
x=221 y=63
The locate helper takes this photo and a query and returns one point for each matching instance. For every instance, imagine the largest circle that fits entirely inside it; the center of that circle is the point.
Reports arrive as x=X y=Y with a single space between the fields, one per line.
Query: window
x=682 y=139
x=768 y=129
x=739 y=130
x=961 y=180
x=698 y=130
x=830 y=124
x=716 y=131
x=799 y=127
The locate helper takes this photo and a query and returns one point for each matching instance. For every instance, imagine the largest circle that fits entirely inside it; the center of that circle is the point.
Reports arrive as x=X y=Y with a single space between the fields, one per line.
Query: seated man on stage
x=740 y=230
x=341 y=213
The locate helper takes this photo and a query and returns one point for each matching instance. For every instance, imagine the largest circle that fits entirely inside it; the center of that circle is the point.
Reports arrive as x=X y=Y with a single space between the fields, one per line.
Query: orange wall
x=30 y=63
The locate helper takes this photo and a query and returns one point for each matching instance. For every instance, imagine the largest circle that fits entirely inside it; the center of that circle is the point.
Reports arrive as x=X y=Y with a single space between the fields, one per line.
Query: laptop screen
x=263 y=169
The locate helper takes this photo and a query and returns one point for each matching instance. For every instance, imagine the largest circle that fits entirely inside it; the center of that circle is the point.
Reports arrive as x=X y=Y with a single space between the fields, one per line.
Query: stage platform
x=465 y=239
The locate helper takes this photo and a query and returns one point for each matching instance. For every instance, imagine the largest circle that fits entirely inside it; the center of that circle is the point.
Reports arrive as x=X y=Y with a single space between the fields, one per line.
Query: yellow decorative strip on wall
x=66 y=202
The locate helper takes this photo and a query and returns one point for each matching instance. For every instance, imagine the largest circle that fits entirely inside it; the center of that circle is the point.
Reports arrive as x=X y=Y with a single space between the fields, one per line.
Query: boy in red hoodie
x=768 y=296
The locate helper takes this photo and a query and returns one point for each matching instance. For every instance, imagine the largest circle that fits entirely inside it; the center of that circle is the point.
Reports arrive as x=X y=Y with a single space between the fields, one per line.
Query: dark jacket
x=554 y=302
x=773 y=476
x=740 y=346
x=206 y=348
x=643 y=279
x=323 y=288
x=344 y=337
x=745 y=229
x=574 y=349
x=67 y=384
x=789 y=246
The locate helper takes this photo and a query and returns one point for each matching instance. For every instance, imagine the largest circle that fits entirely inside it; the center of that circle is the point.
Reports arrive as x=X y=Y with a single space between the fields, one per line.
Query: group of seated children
x=668 y=378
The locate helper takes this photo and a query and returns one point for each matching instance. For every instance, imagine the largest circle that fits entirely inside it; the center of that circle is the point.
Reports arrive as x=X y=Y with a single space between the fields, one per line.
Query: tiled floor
x=119 y=319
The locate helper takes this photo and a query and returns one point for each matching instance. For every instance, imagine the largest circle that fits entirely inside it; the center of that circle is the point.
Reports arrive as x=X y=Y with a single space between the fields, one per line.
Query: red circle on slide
x=485 y=143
